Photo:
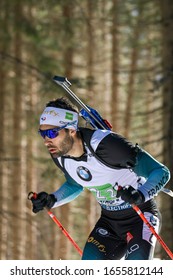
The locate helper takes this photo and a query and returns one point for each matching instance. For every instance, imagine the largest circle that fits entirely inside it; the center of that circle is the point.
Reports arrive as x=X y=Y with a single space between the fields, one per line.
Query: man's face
x=60 y=145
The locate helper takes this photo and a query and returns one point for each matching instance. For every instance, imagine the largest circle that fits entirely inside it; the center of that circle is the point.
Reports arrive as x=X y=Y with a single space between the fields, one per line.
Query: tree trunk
x=133 y=66
x=68 y=68
x=3 y=159
x=114 y=66
x=15 y=192
x=167 y=56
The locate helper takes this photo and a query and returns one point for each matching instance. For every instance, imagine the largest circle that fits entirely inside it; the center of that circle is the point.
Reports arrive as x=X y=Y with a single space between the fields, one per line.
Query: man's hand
x=130 y=195
x=42 y=200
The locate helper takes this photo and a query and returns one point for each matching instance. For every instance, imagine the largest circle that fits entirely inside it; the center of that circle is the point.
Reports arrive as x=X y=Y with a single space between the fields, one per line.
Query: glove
x=42 y=200
x=130 y=195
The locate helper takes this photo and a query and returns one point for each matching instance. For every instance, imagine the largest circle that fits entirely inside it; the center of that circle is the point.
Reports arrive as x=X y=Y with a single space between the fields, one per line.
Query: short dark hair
x=63 y=103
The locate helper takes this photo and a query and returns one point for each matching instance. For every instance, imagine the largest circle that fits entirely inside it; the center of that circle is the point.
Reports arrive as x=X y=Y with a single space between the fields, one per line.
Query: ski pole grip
x=32 y=195
x=119 y=188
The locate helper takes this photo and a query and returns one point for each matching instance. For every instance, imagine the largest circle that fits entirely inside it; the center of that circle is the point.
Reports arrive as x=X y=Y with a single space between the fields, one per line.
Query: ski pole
x=165 y=247
x=33 y=195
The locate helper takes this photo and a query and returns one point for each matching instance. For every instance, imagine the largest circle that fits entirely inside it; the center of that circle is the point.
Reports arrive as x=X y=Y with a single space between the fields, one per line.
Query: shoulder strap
x=58 y=164
x=86 y=134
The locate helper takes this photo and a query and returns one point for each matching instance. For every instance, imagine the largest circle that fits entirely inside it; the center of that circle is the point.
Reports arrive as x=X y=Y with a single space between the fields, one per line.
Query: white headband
x=59 y=117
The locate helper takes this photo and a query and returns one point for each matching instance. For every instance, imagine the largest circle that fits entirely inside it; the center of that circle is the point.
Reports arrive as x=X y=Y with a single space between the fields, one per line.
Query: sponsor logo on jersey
x=102 y=231
x=158 y=187
x=153 y=220
x=132 y=249
x=84 y=173
x=129 y=236
x=95 y=242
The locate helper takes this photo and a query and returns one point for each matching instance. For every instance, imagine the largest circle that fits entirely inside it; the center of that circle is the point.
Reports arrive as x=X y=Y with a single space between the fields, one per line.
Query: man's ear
x=72 y=132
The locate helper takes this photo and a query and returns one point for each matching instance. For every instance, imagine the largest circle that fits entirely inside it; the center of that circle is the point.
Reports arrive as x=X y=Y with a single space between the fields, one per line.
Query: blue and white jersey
x=126 y=165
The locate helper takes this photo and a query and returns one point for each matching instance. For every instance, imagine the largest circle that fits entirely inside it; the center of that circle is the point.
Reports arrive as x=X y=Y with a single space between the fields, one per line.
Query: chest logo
x=84 y=173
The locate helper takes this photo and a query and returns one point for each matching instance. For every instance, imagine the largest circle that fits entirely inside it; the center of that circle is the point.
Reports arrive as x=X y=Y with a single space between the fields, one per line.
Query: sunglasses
x=51 y=133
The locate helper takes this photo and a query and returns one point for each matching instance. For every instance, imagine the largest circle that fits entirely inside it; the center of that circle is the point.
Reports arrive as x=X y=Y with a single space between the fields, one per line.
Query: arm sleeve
x=67 y=192
x=157 y=174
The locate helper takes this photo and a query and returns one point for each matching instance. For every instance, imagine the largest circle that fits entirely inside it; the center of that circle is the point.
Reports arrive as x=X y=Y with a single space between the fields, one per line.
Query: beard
x=65 y=146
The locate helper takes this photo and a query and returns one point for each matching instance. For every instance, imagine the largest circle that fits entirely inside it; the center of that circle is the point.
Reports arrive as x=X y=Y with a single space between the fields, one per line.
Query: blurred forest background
x=119 y=57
